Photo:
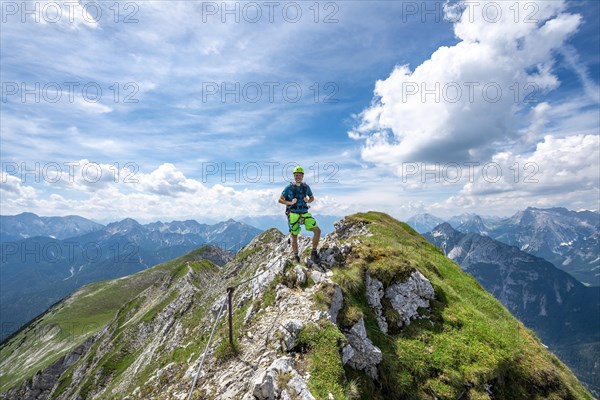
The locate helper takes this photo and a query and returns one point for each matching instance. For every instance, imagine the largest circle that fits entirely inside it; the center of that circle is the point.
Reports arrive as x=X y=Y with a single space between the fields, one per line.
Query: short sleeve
x=308 y=191
x=286 y=192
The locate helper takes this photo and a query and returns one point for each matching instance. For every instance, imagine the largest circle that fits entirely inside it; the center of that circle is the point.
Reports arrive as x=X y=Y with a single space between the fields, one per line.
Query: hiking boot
x=297 y=258
x=314 y=256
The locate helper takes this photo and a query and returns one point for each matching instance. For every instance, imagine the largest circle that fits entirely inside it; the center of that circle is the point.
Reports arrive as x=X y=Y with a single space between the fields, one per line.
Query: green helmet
x=298 y=169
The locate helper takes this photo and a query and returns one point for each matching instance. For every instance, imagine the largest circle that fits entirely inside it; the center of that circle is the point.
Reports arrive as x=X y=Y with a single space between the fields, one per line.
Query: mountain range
x=568 y=239
x=38 y=271
x=562 y=311
x=383 y=316
x=26 y=225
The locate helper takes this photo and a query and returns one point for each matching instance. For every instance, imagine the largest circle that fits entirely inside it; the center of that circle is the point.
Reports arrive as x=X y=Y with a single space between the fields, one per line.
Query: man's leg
x=314 y=255
x=294 y=231
x=316 y=236
x=312 y=226
x=295 y=244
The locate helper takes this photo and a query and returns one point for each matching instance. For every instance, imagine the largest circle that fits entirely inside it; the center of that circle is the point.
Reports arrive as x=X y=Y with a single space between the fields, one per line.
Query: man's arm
x=309 y=195
x=282 y=200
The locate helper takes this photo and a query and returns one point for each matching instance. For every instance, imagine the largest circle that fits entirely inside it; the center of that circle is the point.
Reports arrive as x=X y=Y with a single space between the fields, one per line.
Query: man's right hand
x=294 y=201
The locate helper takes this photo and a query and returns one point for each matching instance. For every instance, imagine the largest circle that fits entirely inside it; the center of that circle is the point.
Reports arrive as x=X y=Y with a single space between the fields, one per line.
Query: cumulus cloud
x=105 y=192
x=166 y=180
x=561 y=171
x=473 y=125
x=81 y=175
x=466 y=99
x=11 y=187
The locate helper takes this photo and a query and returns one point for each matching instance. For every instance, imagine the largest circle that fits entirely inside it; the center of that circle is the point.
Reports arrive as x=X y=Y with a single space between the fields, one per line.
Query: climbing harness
x=292 y=208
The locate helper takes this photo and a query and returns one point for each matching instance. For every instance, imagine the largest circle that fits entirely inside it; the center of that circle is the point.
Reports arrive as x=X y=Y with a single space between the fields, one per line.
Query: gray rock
x=263 y=386
x=243 y=299
x=330 y=256
x=300 y=275
x=282 y=364
x=347 y=354
x=289 y=330
x=337 y=302
x=375 y=293
x=366 y=355
x=408 y=296
x=299 y=387
x=273 y=268
x=285 y=395
x=317 y=276
x=346 y=249
x=249 y=314
x=214 y=310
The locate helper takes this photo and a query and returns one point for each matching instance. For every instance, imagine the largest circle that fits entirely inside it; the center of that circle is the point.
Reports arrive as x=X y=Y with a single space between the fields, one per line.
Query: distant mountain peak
x=122 y=226
x=27 y=214
x=127 y=222
x=27 y=224
x=474 y=224
x=445 y=230
x=444 y=227
x=423 y=222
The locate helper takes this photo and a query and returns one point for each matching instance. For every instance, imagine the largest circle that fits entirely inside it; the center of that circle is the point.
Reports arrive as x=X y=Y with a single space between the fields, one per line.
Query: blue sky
x=440 y=107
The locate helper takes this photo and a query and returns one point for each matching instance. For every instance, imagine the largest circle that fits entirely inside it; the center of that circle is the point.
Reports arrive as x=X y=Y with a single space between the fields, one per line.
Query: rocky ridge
x=308 y=331
x=269 y=363
x=269 y=345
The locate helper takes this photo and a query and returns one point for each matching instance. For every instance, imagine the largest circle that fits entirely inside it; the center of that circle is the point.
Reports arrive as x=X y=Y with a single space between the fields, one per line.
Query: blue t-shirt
x=300 y=207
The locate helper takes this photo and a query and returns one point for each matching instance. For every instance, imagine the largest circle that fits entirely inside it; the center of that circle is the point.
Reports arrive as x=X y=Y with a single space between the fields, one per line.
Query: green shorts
x=307 y=219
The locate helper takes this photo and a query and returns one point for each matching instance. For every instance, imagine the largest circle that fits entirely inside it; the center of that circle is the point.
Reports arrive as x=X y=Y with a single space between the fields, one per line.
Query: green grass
x=226 y=350
x=117 y=362
x=323 y=296
x=468 y=339
x=111 y=368
x=323 y=343
x=270 y=294
x=79 y=316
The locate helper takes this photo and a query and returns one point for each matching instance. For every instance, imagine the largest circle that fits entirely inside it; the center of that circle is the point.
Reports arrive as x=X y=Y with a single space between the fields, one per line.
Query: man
x=296 y=197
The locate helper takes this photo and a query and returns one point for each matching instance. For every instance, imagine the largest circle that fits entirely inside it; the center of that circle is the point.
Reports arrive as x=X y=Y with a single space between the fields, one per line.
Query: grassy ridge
x=120 y=346
x=468 y=347
x=68 y=323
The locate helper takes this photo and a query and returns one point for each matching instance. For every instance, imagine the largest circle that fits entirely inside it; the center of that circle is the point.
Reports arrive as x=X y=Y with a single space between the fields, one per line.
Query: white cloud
x=12 y=187
x=94 y=107
x=78 y=176
x=167 y=181
x=446 y=116
x=538 y=120
x=560 y=171
x=102 y=192
x=467 y=98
